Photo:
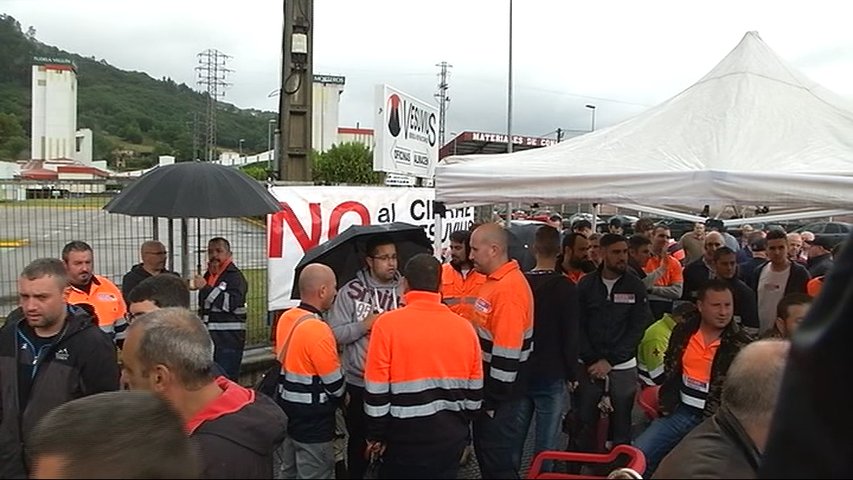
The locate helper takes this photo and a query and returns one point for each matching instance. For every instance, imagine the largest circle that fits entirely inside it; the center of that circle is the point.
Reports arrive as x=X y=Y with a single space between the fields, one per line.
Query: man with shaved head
x=153 y=255
x=730 y=443
x=700 y=271
x=311 y=380
x=503 y=317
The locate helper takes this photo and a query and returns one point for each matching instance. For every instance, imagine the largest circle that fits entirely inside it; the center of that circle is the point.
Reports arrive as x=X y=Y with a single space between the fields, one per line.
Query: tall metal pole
x=509 y=109
x=269 y=143
x=594 y=206
x=592 y=107
x=443 y=100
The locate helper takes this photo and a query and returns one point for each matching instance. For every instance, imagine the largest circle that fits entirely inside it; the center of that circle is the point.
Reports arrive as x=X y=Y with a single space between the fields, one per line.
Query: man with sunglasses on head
x=374 y=290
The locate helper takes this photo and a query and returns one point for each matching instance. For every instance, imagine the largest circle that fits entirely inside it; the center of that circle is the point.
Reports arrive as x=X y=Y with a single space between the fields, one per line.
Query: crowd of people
x=414 y=365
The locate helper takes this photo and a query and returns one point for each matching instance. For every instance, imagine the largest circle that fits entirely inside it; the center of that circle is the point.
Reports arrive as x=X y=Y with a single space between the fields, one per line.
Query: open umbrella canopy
x=194 y=190
x=345 y=253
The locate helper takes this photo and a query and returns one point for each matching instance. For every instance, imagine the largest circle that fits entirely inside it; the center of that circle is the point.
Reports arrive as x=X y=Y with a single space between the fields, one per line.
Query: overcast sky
x=622 y=56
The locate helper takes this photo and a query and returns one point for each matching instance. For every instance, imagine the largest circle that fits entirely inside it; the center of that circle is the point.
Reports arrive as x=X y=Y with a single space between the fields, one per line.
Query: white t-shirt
x=771 y=289
x=609 y=284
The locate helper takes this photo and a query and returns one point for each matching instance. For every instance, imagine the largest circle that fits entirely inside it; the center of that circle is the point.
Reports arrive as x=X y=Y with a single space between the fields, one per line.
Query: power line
x=211 y=75
x=443 y=99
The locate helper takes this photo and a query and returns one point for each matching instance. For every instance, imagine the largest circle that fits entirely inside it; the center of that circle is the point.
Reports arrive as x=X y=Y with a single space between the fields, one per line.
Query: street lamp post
x=240 y=159
x=592 y=107
x=509 y=109
x=594 y=206
x=269 y=142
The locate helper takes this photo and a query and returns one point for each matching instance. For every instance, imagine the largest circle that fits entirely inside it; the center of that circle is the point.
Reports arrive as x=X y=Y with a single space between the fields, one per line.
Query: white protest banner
x=312 y=215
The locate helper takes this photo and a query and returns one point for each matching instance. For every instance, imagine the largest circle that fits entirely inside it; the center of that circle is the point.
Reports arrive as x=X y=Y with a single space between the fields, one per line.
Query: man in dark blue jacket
x=614 y=313
x=222 y=306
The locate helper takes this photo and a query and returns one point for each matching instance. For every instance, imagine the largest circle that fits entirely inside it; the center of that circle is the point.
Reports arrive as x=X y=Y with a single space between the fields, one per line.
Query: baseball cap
x=683 y=308
x=822 y=242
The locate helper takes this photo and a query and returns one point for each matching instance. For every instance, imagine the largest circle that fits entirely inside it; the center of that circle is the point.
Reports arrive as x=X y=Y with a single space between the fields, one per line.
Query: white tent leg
x=436 y=243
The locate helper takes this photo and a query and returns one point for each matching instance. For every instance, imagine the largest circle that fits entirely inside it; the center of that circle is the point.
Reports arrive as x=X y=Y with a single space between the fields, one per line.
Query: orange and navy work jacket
x=106 y=300
x=696 y=370
x=423 y=377
x=459 y=292
x=503 y=317
x=311 y=381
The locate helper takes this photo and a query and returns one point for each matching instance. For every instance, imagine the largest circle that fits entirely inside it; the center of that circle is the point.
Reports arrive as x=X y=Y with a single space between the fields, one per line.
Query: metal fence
x=39 y=218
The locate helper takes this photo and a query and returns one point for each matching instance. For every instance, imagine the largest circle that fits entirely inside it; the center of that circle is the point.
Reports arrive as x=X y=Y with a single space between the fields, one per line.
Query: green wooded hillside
x=133 y=117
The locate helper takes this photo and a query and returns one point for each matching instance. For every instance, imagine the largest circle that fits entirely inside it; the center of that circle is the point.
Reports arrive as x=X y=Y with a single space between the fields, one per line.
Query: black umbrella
x=345 y=253
x=194 y=190
x=521 y=237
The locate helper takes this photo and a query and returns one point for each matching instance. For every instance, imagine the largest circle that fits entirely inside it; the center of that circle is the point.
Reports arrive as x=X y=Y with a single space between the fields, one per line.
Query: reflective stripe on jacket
x=311 y=380
x=423 y=377
x=503 y=317
x=460 y=292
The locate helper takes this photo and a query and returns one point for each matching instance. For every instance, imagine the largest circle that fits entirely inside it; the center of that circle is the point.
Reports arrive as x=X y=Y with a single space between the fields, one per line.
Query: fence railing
x=38 y=218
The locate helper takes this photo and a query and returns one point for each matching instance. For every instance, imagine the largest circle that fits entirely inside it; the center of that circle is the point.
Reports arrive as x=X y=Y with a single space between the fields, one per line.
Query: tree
x=256 y=171
x=345 y=163
x=13 y=138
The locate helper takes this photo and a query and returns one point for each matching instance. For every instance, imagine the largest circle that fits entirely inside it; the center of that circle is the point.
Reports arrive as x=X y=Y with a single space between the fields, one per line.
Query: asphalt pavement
x=42 y=231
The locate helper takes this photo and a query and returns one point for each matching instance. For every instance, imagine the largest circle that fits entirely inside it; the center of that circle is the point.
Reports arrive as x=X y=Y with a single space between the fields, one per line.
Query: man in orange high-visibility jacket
x=99 y=293
x=423 y=380
x=504 y=322
x=311 y=380
x=459 y=281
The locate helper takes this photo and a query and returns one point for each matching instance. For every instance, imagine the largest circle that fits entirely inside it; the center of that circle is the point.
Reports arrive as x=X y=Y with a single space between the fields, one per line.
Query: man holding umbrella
x=375 y=289
x=222 y=306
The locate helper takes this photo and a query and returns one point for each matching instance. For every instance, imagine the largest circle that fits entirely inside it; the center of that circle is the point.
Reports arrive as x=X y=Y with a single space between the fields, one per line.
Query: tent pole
x=594 y=211
x=185 y=250
x=155 y=228
x=198 y=245
x=436 y=242
x=171 y=224
x=508 y=214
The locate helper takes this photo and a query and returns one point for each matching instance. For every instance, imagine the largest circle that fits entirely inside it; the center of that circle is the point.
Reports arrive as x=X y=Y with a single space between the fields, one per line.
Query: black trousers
x=356 y=421
x=623 y=387
x=443 y=465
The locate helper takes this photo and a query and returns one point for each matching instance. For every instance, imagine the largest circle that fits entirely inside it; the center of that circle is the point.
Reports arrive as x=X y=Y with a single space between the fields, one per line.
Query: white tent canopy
x=753 y=131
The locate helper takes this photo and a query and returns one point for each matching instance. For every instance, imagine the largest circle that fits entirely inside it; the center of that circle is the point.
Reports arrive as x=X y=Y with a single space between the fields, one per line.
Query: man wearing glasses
x=153 y=254
x=375 y=289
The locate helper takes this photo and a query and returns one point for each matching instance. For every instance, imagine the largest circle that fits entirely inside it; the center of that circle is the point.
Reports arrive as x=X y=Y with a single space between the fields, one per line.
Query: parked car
x=677 y=228
x=837 y=232
x=600 y=224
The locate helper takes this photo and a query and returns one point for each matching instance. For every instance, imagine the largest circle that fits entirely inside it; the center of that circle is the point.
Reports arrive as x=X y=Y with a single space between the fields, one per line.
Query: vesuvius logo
x=393 y=109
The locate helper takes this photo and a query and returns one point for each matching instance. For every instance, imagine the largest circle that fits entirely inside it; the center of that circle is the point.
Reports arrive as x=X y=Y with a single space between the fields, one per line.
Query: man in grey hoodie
x=375 y=289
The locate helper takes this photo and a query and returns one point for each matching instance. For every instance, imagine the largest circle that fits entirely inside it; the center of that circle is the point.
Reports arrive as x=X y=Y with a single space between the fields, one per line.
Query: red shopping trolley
x=636 y=461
